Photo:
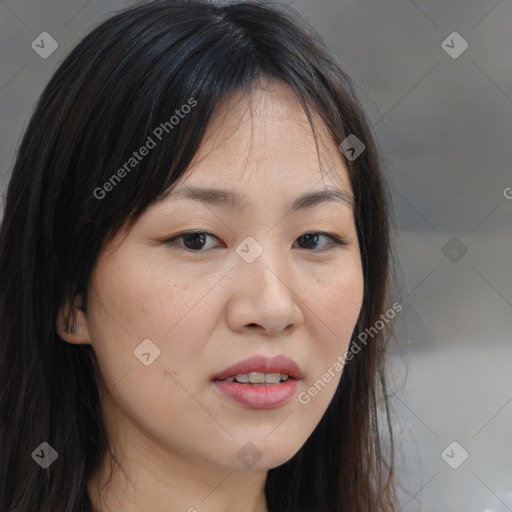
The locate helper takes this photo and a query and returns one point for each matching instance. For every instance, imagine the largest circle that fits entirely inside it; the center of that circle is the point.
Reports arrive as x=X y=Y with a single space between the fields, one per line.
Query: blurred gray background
x=442 y=115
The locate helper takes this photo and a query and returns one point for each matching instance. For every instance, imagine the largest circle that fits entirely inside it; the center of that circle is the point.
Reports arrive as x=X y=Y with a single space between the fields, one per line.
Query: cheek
x=335 y=301
x=334 y=305
x=134 y=301
x=143 y=299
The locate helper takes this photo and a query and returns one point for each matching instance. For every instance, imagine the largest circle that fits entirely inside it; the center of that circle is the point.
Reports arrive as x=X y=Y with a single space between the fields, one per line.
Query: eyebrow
x=235 y=201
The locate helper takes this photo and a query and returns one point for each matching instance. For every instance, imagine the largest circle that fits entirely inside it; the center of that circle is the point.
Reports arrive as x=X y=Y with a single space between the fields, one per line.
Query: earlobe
x=72 y=327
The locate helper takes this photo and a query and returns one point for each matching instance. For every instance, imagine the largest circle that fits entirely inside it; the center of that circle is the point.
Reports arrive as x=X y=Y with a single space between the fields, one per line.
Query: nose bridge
x=270 y=271
x=270 y=282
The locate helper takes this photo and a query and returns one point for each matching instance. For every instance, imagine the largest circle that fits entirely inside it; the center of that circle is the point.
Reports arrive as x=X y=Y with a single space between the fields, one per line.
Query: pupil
x=194 y=236
x=311 y=235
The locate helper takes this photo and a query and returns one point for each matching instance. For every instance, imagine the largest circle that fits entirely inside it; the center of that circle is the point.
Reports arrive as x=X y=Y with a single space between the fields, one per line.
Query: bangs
x=149 y=103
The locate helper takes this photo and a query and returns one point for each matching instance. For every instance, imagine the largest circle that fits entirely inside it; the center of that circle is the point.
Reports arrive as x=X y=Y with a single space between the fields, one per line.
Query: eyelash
x=334 y=241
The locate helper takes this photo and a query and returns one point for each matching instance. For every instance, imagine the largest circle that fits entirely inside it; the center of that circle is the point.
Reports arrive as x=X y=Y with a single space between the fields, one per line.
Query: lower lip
x=258 y=396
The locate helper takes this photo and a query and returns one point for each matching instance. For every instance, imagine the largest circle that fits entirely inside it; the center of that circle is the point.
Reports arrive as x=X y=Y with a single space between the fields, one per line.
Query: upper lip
x=279 y=364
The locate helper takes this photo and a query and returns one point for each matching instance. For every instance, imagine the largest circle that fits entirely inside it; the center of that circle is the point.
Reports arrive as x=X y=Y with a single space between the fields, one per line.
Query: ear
x=77 y=332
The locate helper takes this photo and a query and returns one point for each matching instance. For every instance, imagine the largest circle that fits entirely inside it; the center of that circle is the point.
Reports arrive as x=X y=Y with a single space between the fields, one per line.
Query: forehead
x=259 y=151
x=263 y=138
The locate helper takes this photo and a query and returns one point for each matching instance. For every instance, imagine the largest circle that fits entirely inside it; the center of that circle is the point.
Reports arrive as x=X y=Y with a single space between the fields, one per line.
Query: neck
x=151 y=481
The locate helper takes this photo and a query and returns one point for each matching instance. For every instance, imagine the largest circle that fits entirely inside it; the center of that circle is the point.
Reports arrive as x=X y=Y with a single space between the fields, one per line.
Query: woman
x=195 y=241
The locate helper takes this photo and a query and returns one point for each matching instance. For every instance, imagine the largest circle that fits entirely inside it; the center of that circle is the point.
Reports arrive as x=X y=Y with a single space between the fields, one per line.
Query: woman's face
x=165 y=318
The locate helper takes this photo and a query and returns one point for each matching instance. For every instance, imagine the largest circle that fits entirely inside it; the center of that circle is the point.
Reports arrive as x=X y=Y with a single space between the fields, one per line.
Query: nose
x=264 y=297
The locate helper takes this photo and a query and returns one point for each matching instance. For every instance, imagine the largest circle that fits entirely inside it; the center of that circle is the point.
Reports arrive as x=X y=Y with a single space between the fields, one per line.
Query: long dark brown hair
x=125 y=78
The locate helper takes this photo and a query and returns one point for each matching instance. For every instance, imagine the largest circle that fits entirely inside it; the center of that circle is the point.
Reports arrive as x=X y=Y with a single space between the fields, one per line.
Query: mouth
x=261 y=370
x=271 y=379
x=260 y=382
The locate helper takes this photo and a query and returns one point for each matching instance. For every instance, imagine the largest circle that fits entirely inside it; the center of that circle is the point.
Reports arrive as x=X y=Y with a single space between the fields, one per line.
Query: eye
x=312 y=238
x=194 y=240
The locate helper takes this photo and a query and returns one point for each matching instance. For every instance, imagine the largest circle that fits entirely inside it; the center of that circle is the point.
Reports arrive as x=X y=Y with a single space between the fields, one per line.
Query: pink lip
x=260 y=396
x=278 y=364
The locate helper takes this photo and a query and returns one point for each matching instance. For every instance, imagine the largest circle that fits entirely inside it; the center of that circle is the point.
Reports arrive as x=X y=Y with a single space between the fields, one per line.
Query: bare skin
x=176 y=437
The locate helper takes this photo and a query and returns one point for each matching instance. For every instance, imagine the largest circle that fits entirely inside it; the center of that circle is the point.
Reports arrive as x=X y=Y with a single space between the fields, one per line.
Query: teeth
x=258 y=378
